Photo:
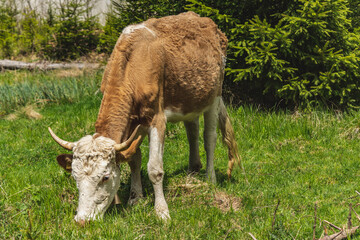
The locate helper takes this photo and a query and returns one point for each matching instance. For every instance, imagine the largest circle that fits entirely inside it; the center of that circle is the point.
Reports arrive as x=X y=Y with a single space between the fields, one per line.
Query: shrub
x=31 y=29
x=325 y=52
x=306 y=55
x=74 y=32
x=7 y=29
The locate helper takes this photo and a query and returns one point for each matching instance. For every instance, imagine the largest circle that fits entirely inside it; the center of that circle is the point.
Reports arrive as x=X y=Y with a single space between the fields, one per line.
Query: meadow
x=292 y=160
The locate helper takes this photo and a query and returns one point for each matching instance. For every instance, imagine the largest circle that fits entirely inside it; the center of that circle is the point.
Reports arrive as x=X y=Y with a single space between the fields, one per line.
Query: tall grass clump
x=47 y=88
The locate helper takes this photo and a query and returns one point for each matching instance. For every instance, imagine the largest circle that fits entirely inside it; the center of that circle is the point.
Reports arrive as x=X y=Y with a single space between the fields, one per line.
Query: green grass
x=22 y=88
x=296 y=158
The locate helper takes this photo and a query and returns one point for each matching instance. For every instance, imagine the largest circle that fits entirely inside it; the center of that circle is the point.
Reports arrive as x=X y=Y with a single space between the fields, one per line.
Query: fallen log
x=13 y=65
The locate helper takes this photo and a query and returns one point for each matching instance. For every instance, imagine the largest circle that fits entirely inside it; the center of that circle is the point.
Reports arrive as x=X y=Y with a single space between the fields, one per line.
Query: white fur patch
x=155 y=145
x=132 y=28
x=93 y=159
x=173 y=116
x=90 y=152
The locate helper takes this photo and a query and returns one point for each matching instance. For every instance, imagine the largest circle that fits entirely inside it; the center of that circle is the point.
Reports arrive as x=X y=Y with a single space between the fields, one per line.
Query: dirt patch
x=225 y=202
x=190 y=187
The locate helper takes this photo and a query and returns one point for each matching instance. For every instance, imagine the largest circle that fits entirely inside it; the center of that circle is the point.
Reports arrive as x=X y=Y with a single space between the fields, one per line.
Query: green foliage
x=110 y=33
x=67 y=32
x=307 y=55
x=39 y=88
x=31 y=32
x=263 y=47
x=7 y=29
x=74 y=32
x=326 y=54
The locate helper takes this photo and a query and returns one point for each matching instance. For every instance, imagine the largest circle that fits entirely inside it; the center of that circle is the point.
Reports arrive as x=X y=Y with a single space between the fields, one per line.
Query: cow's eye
x=105 y=178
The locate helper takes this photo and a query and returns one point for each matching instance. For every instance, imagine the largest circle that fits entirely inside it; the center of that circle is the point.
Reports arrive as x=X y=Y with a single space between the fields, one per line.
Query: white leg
x=210 y=125
x=192 y=131
x=155 y=168
x=136 y=187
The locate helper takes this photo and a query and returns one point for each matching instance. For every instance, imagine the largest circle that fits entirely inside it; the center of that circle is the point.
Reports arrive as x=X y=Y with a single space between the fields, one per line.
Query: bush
x=31 y=29
x=325 y=53
x=7 y=29
x=67 y=32
x=74 y=32
x=307 y=55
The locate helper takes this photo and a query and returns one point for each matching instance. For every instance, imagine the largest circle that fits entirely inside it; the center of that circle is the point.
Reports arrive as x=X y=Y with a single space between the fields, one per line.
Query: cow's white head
x=94 y=165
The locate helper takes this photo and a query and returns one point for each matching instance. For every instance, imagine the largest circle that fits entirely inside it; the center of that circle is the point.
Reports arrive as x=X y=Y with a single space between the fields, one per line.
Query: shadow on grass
x=221 y=177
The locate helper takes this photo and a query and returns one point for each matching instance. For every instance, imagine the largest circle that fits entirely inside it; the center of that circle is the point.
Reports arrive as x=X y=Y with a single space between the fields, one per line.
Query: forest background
x=299 y=54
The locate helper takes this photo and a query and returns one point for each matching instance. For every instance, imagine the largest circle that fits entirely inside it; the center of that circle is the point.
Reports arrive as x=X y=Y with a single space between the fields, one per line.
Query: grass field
x=291 y=159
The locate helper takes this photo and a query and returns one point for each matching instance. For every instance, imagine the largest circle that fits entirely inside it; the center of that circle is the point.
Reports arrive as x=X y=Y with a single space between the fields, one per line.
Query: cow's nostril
x=82 y=223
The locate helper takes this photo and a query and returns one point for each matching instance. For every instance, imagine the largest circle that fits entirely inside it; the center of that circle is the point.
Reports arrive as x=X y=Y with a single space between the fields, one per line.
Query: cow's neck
x=114 y=117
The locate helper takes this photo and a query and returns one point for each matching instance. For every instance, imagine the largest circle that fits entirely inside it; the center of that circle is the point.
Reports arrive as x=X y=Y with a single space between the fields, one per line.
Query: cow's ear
x=125 y=156
x=65 y=160
x=132 y=149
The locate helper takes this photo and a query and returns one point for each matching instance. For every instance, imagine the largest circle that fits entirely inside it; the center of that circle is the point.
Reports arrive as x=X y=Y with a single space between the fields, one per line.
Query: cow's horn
x=63 y=143
x=123 y=145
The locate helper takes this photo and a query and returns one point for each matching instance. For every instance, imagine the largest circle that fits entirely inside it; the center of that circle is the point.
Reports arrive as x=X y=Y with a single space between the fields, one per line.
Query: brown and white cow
x=162 y=70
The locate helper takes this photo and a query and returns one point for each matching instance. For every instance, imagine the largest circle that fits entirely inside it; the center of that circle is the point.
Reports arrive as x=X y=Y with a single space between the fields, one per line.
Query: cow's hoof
x=194 y=169
x=133 y=201
x=134 y=198
x=162 y=211
x=163 y=215
x=211 y=177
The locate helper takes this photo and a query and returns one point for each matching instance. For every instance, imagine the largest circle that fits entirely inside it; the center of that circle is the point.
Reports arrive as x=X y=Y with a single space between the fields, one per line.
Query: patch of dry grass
x=225 y=202
x=30 y=112
x=189 y=187
x=64 y=73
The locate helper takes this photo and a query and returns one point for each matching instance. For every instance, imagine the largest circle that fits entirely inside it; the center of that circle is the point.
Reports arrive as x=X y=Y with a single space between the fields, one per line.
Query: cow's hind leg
x=136 y=187
x=210 y=125
x=155 y=166
x=192 y=131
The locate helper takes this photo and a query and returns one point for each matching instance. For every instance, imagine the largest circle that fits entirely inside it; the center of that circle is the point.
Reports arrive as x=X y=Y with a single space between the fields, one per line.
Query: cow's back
x=195 y=51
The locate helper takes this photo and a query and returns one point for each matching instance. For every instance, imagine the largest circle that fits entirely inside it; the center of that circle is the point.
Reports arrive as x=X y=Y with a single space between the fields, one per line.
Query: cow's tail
x=228 y=137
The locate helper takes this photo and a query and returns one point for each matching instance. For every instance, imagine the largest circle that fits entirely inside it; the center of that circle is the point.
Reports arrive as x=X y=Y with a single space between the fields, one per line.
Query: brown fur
x=180 y=69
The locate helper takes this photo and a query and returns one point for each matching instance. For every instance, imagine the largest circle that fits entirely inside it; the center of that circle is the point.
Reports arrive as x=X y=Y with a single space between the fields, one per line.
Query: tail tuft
x=228 y=135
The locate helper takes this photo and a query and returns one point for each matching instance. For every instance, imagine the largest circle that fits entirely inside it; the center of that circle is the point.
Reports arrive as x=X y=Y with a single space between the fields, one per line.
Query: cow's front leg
x=136 y=187
x=155 y=166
